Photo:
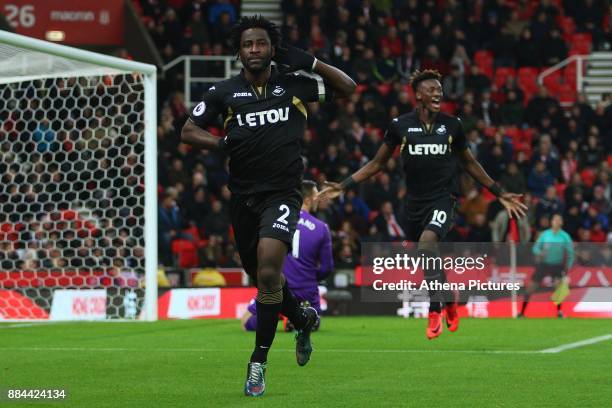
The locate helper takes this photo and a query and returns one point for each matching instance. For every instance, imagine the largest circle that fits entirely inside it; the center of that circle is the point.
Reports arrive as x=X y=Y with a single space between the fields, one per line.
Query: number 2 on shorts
x=283 y=217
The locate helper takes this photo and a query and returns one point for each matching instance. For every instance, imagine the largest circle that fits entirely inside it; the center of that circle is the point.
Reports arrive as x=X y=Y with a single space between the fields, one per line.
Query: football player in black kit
x=432 y=145
x=264 y=116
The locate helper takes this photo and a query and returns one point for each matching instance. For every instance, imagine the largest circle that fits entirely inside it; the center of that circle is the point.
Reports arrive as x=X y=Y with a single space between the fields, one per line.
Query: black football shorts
x=555 y=271
x=269 y=214
x=436 y=215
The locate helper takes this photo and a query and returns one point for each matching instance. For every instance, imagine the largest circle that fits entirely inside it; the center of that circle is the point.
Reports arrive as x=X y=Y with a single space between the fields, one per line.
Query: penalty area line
x=577 y=344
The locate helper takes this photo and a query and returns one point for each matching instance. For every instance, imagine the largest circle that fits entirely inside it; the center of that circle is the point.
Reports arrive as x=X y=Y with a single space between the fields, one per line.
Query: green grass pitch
x=358 y=361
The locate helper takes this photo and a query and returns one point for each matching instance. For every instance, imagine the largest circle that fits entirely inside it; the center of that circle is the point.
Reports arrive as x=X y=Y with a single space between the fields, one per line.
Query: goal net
x=78 y=184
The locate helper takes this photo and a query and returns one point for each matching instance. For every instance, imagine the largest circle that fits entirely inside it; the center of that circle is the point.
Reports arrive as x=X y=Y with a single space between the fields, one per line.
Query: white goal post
x=78 y=187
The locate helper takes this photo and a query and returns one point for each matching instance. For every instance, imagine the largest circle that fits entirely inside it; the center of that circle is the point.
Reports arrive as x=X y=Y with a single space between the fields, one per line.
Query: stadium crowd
x=543 y=141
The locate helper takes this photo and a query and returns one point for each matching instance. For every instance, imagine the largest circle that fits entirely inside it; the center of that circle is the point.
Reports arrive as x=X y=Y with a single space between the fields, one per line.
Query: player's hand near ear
x=291 y=59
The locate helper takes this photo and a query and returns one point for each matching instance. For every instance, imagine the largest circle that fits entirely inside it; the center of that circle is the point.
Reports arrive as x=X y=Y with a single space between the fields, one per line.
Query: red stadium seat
x=569 y=74
x=527 y=135
x=502 y=74
x=588 y=177
x=560 y=187
x=566 y=94
x=186 y=252
x=384 y=89
x=513 y=132
x=484 y=60
x=528 y=78
x=490 y=131
x=553 y=81
x=581 y=43
x=197 y=237
x=408 y=89
x=567 y=25
x=449 y=108
x=361 y=88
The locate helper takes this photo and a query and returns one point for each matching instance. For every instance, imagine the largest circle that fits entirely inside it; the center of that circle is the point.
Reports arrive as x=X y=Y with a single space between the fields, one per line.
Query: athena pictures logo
x=199 y=109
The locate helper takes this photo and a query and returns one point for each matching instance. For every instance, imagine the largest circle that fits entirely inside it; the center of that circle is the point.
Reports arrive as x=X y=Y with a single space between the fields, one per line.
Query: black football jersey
x=429 y=155
x=263 y=127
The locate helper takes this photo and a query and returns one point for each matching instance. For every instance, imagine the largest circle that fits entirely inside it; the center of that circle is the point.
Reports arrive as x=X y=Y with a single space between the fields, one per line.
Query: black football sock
x=434 y=306
x=559 y=307
x=434 y=275
x=268 y=306
x=525 y=303
x=292 y=309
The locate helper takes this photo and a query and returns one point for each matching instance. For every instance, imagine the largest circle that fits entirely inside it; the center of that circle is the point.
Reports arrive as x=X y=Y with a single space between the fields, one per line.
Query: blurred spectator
x=217 y=222
x=454 y=84
x=169 y=225
x=392 y=42
x=527 y=51
x=547 y=153
x=513 y=180
x=384 y=70
x=549 y=204
x=477 y=82
x=540 y=179
x=553 y=49
x=511 y=110
x=220 y=7
x=387 y=223
x=592 y=153
x=479 y=231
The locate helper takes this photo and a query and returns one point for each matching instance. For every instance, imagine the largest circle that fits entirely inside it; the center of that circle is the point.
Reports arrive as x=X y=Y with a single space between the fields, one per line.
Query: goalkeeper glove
x=294 y=59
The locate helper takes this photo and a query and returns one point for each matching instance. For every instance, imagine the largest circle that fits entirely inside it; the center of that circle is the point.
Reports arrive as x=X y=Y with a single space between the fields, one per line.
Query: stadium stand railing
x=589 y=73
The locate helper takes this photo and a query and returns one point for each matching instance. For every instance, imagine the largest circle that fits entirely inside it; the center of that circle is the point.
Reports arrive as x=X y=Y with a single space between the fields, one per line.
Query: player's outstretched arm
x=510 y=201
x=194 y=135
x=333 y=190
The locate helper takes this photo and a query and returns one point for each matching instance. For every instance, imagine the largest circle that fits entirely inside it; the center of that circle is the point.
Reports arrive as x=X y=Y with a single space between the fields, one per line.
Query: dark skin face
x=256 y=52
x=429 y=97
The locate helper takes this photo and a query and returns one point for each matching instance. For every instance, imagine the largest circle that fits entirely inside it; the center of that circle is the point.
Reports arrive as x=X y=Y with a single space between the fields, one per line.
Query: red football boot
x=452 y=316
x=434 y=327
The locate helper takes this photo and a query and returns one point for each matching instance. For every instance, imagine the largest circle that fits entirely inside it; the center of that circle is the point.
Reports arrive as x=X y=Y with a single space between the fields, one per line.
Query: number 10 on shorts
x=438 y=218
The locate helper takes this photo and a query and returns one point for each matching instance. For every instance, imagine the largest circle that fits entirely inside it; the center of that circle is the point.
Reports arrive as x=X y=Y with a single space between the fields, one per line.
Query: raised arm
x=333 y=190
x=292 y=59
x=341 y=83
x=510 y=201
x=474 y=169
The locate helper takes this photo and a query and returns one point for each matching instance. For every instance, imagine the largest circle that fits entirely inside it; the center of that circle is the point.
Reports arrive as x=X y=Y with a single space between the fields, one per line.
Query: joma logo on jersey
x=263 y=117
x=239 y=94
x=427 y=149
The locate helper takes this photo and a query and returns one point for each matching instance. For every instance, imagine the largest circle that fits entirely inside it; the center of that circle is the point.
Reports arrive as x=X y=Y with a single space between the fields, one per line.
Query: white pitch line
x=200 y=350
x=577 y=344
x=18 y=325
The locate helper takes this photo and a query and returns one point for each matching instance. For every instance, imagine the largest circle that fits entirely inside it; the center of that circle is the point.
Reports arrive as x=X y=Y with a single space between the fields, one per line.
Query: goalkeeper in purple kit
x=309 y=261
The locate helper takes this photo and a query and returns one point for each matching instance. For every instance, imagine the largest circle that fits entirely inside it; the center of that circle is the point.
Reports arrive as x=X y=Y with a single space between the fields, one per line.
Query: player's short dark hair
x=256 y=21
x=420 y=76
x=308 y=187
